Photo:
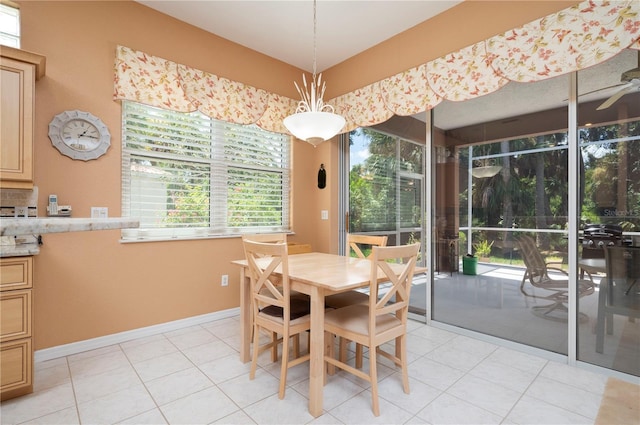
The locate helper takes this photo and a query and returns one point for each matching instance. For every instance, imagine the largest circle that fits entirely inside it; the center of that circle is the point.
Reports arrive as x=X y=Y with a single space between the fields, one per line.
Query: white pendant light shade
x=314 y=122
x=314 y=127
x=485 y=171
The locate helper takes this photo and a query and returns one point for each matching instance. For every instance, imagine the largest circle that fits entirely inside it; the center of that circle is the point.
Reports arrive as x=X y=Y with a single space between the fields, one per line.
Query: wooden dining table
x=317 y=275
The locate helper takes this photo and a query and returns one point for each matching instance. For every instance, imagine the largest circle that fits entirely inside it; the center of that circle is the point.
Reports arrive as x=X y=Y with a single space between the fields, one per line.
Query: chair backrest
x=267 y=289
x=398 y=264
x=622 y=262
x=266 y=237
x=355 y=243
x=533 y=260
x=622 y=283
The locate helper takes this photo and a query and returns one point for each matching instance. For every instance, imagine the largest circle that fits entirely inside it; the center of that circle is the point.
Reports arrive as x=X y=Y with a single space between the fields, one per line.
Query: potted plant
x=483 y=250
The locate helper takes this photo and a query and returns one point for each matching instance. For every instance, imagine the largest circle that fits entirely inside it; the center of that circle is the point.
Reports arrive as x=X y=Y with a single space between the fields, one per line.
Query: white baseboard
x=104 y=341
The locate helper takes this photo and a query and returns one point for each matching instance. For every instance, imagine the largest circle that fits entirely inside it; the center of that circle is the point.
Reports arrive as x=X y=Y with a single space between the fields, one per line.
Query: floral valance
x=572 y=39
x=159 y=82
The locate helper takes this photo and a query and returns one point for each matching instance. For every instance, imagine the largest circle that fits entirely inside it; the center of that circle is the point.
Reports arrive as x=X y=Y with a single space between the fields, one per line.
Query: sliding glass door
x=501 y=164
x=534 y=211
x=502 y=192
x=609 y=205
x=386 y=192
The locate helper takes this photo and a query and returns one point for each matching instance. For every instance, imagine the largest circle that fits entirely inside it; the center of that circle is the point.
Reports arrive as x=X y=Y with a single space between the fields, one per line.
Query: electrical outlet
x=324 y=215
x=225 y=280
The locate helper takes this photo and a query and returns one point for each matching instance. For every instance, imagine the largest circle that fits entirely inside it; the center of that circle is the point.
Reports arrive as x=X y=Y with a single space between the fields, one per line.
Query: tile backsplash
x=18 y=202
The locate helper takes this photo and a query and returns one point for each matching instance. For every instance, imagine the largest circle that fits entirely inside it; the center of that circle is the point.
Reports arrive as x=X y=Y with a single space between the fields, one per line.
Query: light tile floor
x=194 y=376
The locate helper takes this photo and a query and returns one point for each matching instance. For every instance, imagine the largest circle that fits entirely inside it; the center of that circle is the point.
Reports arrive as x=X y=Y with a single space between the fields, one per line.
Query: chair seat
x=297 y=308
x=345 y=299
x=355 y=319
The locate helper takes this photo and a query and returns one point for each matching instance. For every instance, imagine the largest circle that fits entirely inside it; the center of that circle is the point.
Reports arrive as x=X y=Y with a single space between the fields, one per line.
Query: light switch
x=99 y=212
x=324 y=215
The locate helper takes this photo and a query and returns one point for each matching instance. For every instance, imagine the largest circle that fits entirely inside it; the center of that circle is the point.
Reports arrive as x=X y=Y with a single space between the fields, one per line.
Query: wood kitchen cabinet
x=19 y=71
x=16 y=324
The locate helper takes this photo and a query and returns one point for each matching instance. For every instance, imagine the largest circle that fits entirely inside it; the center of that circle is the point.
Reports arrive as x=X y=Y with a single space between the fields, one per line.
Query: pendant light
x=313 y=121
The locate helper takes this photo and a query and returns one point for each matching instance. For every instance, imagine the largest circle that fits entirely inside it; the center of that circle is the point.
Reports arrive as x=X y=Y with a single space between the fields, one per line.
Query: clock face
x=79 y=135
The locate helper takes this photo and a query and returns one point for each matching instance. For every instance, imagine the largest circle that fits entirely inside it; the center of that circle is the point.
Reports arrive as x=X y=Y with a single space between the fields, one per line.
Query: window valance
x=567 y=41
x=159 y=82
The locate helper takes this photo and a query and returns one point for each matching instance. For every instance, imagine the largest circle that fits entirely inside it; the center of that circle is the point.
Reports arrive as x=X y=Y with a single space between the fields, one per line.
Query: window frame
x=245 y=156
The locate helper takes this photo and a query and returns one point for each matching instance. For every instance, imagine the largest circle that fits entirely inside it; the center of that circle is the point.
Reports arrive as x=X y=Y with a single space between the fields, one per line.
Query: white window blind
x=9 y=26
x=186 y=175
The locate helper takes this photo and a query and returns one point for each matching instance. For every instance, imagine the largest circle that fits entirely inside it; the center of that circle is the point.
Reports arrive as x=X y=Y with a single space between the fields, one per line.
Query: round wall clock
x=79 y=135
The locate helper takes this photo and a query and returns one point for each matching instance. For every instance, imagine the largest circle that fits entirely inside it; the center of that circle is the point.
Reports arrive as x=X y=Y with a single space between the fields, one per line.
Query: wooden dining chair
x=273 y=308
x=266 y=237
x=292 y=247
x=382 y=319
x=282 y=238
x=355 y=244
x=273 y=238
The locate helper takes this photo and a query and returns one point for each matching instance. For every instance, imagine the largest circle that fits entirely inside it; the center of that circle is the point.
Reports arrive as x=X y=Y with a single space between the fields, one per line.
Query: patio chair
x=555 y=290
x=619 y=291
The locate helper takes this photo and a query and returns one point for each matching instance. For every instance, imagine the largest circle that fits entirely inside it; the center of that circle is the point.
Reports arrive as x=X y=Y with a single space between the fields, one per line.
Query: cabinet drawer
x=16 y=363
x=15 y=315
x=16 y=273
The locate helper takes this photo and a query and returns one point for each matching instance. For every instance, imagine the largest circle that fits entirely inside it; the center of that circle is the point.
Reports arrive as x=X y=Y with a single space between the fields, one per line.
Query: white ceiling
x=284 y=29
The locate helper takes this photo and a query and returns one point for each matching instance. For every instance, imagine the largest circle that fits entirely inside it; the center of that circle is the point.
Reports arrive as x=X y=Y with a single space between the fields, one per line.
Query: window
x=9 y=26
x=186 y=175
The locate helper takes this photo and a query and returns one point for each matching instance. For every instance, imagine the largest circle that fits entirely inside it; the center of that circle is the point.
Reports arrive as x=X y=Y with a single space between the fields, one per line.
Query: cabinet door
x=17 y=89
x=15 y=315
x=16 y=363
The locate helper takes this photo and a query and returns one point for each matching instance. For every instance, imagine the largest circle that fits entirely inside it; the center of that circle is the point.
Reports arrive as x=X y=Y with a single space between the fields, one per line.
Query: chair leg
x=600 y=324
x=330 y=351
x=343 y=352
x=403 y=362
x=609 y=322
x=343 y=349
x=296 y=346
x=373 y=374
x=285 y=366
x=274 y=348
x=256 y=349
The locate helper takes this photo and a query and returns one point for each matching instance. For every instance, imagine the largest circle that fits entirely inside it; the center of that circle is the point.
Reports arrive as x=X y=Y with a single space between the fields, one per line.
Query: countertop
x=10 y=227
x=38 y=226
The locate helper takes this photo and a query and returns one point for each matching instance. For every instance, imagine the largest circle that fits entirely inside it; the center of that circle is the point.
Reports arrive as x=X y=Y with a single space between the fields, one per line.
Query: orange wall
x=88 y=284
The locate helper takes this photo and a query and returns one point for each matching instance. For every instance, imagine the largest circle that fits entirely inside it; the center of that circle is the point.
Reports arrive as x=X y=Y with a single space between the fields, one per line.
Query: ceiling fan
x=631 y=80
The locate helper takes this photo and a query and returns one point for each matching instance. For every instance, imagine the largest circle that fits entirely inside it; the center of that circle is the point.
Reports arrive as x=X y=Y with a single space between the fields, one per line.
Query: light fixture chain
x=314 y=40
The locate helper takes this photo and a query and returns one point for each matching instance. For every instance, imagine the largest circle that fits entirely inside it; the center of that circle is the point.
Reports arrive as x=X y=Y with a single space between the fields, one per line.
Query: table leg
x=245 y=317
x=316 y=366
